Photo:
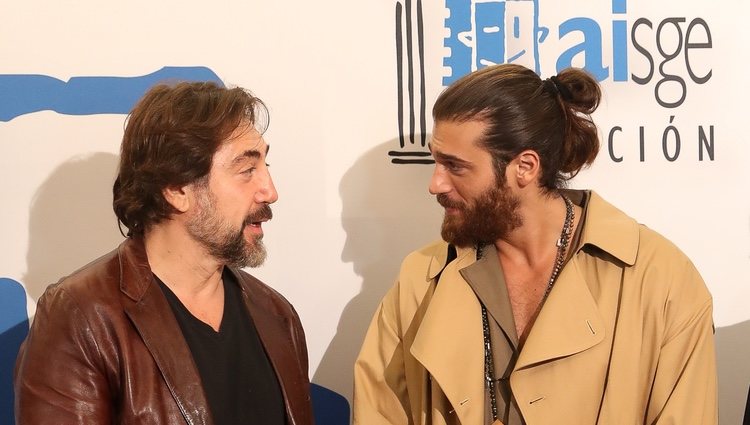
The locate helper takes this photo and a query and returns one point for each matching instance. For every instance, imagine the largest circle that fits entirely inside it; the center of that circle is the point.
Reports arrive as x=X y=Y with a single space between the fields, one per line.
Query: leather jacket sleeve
x=60 y=376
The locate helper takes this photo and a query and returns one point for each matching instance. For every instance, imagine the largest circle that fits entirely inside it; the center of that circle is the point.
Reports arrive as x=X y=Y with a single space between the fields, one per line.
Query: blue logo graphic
x=482 y=33
x=26 y=94
x=489 y=32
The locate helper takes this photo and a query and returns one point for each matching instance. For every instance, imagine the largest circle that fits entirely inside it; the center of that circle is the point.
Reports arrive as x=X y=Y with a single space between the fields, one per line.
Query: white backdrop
x=329 y=72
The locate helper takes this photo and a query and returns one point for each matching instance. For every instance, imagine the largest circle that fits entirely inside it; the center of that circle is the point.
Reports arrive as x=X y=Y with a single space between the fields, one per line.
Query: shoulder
x=644 y=250
x=663 y=284
x=84 y=289
x=419 y=270
x=664 y=267
x=430 y=256
x=654 y=267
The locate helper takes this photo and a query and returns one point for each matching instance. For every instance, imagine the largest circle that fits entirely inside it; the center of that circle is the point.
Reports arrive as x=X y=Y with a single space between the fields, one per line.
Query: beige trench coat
x=586 y=361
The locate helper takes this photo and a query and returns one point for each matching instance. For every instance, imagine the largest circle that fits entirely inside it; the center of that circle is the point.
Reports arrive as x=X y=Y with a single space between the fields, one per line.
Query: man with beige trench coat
x=540 y=305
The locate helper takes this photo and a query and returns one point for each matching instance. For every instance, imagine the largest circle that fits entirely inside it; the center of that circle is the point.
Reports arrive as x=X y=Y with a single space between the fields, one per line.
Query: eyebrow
x=250 y=153
x=444 y=157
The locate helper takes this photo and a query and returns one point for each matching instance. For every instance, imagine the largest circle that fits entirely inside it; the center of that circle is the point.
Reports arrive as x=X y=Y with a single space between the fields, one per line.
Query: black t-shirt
x=237 y=377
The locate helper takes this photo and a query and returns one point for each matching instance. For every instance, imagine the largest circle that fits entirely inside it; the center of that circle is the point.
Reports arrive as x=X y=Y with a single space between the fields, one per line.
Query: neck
x=179 y=261
x=535 y=241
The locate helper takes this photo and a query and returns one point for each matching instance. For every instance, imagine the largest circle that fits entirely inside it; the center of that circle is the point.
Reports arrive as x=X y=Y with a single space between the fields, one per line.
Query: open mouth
x=257 y=218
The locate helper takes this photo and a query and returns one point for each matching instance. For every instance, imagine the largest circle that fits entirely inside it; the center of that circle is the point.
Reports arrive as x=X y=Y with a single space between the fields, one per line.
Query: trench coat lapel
x=152 y=317
x=449 y=342
x=569 y=322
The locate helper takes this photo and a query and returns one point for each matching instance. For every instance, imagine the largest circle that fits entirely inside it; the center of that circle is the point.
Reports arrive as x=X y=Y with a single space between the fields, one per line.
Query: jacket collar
x=275 y=332
x=613 y=231
x=135 y=273
x=152 y=317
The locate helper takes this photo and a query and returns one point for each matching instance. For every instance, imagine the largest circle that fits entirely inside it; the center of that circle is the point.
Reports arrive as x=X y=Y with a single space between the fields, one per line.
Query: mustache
x=447 y=202
x=263 y=213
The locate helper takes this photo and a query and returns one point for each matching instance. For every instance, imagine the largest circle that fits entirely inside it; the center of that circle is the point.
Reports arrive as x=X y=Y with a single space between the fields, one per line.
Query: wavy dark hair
x=170 y=138
x=552 y=118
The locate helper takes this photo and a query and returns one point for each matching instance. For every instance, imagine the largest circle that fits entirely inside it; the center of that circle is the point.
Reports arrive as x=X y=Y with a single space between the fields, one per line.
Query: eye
x=453 y=167
x=248 y=171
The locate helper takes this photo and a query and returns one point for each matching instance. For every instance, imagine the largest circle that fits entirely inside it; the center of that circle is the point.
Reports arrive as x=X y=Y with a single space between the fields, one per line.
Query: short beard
x=225 y=244
x=490 y=217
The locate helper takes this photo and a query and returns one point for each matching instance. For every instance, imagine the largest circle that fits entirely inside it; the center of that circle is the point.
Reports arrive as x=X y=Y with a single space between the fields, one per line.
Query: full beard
x=225 y=244
x=490 y=217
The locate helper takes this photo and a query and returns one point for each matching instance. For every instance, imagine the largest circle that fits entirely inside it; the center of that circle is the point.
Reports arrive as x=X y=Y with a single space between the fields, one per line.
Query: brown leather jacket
x=105 y=348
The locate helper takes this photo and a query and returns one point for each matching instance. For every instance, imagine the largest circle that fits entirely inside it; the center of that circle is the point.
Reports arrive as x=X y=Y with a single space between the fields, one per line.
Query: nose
x=267 y=193
x=439 y=182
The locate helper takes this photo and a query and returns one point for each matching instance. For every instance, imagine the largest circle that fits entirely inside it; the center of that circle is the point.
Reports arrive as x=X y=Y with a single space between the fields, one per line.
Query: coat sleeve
x=685 y=385
x=59 y=374
x=380 y=392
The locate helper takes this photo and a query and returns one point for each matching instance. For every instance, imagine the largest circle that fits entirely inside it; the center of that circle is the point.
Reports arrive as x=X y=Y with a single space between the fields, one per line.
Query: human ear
x=527 y=168
x=178 y=197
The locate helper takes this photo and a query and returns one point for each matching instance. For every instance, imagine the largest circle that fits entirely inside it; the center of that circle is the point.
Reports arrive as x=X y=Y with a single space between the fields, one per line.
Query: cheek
x=466 y=190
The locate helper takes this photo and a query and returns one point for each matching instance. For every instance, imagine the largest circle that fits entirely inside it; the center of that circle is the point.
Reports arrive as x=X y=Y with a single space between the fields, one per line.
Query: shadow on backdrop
x=14 y=325
x=387 y=213
x=71 y=221
x=733 y=363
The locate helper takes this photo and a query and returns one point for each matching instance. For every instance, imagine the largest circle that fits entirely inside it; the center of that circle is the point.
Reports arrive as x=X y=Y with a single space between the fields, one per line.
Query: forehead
x=454 y=138
x=245 y=142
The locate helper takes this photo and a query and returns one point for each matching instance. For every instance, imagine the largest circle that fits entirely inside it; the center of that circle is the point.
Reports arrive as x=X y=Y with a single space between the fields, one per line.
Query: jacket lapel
x=449 y=342
x=569 y=322
x=274 y=331
x=152 y=317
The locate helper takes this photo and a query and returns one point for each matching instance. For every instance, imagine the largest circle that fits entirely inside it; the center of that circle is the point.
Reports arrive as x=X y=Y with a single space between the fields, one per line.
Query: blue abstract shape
x=481 y=33
x=14 y=326
x=329 y=407
x=459 y=22
x=490 y=33
x=25 y=94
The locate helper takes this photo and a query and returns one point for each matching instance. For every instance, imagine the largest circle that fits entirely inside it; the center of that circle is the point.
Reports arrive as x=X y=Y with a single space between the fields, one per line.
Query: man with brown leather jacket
x=166 y=329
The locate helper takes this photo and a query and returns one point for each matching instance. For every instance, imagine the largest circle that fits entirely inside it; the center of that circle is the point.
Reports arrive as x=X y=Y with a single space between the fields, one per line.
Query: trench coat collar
x=449 y=340
x=613 y=231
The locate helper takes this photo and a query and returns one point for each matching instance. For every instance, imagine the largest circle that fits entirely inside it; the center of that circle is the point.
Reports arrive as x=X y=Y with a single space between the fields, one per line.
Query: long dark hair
x=550 y=117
